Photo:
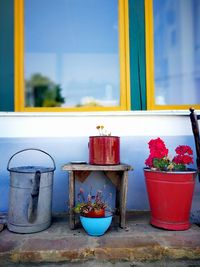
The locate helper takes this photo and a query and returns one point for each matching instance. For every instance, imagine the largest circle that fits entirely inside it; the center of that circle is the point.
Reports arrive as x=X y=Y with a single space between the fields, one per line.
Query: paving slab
x=1 y=227
x=140 y=243
x=188 y=263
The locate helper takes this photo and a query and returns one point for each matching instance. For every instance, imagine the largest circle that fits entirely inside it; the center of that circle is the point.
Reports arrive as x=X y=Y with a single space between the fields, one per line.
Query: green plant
x=159 y=160
x=92 y=203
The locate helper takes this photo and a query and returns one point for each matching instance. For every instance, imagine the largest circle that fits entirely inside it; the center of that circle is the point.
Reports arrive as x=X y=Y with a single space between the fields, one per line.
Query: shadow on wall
x=134 y=151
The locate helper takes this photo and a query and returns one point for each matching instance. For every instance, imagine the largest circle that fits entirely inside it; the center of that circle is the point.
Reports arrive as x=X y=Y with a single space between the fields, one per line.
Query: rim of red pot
x=189 y=170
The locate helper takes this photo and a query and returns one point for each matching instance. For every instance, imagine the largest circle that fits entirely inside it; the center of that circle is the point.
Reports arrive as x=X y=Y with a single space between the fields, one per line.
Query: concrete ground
x=138 y=245
x=116 y=264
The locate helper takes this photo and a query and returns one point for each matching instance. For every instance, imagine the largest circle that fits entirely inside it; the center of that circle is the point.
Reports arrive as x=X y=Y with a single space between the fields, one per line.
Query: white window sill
x=99 y=114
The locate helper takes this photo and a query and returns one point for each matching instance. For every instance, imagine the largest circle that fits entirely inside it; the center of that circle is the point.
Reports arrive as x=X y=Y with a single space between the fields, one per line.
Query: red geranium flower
x=158 y=157
x=149 y=161
x=157 y=148
x=181 y=150
x=183 y=159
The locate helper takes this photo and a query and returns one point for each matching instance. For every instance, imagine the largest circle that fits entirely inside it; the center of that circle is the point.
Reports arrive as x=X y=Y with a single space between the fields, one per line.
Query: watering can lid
x=31 y=169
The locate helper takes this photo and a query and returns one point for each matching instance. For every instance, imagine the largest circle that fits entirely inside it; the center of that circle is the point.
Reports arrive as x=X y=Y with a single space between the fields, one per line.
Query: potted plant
x=93 y=212
x=170 y=185
x=104 y=149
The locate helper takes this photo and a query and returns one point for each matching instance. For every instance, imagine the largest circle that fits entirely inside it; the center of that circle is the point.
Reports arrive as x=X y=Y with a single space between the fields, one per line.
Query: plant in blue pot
x=95 y=214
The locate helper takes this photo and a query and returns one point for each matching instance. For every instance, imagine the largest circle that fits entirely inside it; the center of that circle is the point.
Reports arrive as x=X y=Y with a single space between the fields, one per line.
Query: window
x=173 y=53
x=71 y=55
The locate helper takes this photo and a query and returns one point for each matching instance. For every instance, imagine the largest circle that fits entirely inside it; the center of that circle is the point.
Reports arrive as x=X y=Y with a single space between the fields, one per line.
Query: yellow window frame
x=150 y=85
x=123 y=56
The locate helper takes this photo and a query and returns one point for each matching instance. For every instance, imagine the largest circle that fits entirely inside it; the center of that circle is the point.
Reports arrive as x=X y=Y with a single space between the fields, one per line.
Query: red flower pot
x=170 y=198
x=104 y=150
x=96 y=213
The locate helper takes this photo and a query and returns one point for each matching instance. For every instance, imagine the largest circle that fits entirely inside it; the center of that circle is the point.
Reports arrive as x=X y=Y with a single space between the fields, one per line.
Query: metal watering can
x=30 y=199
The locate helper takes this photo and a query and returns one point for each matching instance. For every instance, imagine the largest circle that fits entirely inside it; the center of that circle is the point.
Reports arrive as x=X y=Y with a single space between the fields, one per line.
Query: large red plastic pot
x=104 y=150
x=170 y=198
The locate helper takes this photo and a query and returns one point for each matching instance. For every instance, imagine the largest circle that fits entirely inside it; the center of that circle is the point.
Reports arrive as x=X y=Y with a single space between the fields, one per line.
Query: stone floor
x=138 y=245
x=93 y=263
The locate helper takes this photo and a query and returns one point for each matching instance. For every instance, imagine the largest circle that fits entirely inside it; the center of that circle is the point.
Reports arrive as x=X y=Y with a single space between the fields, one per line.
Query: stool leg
x=71 y=200
x=117 y=202
x=123 y=199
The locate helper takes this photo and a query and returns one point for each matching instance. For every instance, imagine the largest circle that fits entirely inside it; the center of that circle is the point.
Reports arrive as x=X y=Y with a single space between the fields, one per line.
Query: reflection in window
x=71 y=53
x=177 y=51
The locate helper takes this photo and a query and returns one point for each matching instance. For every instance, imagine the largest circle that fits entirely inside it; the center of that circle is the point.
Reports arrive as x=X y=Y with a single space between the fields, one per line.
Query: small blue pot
x=96 y=226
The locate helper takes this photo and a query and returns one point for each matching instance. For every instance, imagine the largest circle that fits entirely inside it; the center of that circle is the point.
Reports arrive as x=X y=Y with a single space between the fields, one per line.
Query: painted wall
x=65 y=138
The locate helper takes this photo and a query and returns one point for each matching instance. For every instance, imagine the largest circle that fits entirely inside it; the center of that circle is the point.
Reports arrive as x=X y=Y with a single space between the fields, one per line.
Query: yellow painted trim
x=19 y=55
x=124 y=55
x=149 y=53
x=150 y=85
x=78 y=109
x=123 y=58
x=175 y=107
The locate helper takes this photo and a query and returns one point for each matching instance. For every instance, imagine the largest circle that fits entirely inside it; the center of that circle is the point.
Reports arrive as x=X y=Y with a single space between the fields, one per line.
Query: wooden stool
x=118 y=174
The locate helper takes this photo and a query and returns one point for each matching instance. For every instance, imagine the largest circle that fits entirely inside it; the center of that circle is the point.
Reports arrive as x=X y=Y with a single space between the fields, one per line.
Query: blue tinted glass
x=71 y=53
x=177 y=51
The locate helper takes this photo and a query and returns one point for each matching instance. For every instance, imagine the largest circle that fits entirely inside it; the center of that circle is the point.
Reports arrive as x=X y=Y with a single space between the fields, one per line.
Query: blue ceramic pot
x=96 y=226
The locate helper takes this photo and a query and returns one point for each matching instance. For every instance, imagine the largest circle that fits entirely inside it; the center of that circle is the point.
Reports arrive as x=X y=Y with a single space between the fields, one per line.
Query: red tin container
x=104 y=150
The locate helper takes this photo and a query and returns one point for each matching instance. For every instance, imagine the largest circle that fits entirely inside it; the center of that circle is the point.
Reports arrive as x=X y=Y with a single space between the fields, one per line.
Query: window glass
x=177 y=51
x=71 y=53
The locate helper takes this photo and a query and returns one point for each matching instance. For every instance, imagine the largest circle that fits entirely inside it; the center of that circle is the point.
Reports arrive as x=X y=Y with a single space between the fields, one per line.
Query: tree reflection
x=42 y=92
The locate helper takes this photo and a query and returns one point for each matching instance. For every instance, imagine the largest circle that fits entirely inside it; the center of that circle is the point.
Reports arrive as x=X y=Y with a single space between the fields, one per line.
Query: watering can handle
x=36 y=149
x=33 y=202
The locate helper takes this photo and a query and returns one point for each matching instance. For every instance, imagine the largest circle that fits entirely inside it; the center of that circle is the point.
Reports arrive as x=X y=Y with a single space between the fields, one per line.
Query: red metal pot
x=170 y=198
x=96 y=214
x=104 y=150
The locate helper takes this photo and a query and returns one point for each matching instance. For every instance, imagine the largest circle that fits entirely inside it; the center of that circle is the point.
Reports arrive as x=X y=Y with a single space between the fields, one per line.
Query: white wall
x=65 y=137
x=84 y=124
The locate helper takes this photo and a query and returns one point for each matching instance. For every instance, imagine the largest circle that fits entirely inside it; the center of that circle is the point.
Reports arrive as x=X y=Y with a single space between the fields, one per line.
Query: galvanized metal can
x=30 y=198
